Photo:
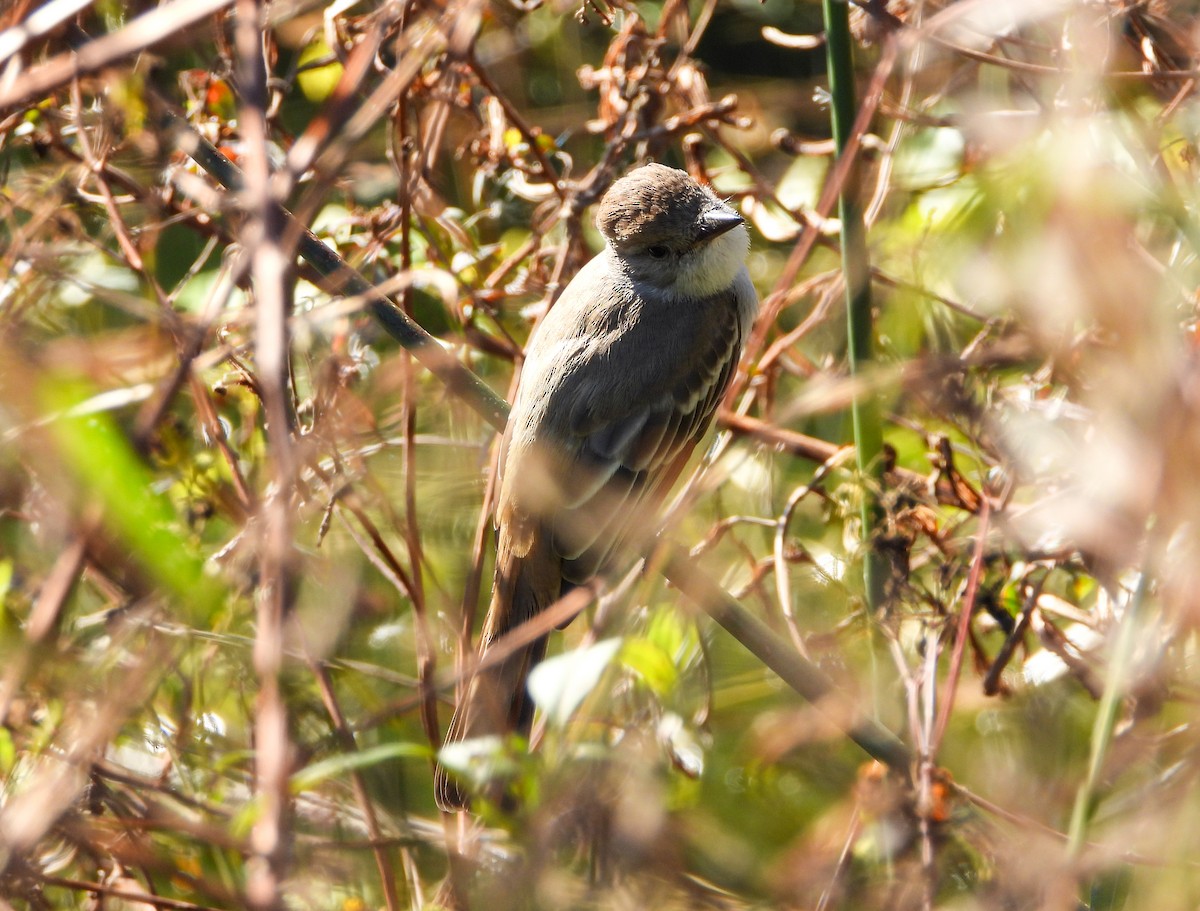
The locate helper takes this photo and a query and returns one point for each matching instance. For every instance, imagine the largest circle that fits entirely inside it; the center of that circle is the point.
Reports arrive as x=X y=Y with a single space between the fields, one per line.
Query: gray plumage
x=620 y=382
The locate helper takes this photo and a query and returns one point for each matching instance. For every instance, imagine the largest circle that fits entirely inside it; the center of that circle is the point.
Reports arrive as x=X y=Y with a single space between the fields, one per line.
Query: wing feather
x=640 y=446
x=592 y=451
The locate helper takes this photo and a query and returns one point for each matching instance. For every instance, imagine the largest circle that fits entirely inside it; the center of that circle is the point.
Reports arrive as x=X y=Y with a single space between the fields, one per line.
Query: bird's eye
x=658 y=251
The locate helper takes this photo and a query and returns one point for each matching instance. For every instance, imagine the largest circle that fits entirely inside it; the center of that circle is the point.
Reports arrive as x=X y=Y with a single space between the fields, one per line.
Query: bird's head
x=668 y=231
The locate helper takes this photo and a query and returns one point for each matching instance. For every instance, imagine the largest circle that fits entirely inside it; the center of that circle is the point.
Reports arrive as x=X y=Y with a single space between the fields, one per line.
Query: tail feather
x=495 y=701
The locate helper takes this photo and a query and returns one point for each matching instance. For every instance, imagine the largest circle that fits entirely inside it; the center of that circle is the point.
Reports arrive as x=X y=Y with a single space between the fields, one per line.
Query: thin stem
x=864 y=410
x=270 y=837
x=1106 y=715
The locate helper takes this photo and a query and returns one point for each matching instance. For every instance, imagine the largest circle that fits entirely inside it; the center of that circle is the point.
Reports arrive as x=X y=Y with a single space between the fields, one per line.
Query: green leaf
x=311 y=776
x=651 y=664
x=6 y=575
x=677 y=637
x=317 y=81
x=8 y=751
x=560 y=684
x=105 y=465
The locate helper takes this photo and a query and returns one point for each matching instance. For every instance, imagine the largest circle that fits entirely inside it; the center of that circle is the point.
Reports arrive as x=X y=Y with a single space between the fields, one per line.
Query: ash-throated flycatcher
x=620 y=382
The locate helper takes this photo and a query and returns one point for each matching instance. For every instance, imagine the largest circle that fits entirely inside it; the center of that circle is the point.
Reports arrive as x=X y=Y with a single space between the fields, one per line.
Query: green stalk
x=1106 y=715
x=856 y=268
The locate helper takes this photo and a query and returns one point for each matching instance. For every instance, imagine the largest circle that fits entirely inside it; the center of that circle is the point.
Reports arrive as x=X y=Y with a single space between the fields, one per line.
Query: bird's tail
x=495 y=701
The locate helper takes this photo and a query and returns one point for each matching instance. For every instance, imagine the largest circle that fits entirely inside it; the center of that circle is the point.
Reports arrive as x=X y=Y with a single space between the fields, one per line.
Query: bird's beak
x=717 y=221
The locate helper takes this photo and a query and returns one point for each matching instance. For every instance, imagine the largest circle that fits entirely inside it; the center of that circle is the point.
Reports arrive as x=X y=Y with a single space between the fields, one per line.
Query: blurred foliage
x=225 y=646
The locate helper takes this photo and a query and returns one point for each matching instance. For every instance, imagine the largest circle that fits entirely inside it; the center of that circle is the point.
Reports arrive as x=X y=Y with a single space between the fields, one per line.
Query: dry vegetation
x=244 y=534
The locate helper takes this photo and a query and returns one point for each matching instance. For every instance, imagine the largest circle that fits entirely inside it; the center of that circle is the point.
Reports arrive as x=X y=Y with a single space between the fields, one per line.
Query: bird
x=619 y=383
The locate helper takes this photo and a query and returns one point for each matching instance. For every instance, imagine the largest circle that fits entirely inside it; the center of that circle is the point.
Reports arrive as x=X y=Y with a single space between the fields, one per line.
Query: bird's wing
x=631 y=446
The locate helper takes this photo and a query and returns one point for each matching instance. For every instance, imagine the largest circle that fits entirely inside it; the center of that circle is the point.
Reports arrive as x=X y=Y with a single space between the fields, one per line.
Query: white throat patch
x=712 y=267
